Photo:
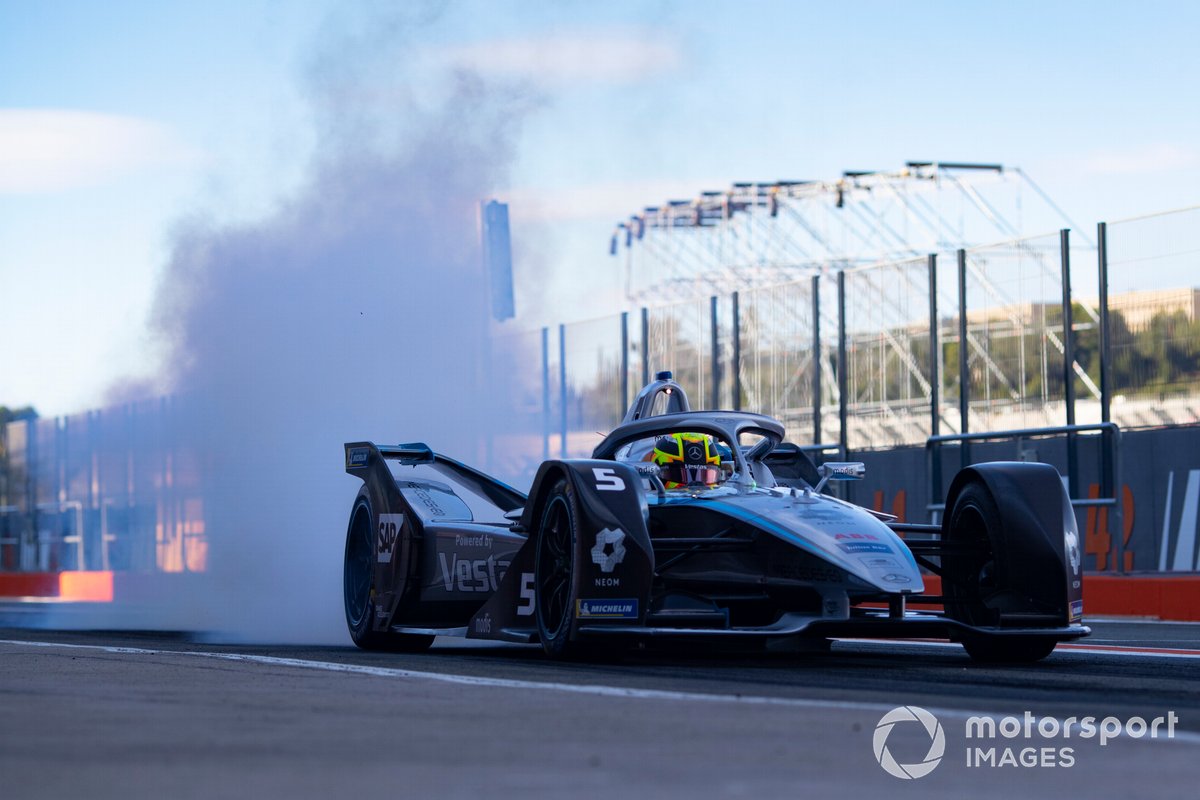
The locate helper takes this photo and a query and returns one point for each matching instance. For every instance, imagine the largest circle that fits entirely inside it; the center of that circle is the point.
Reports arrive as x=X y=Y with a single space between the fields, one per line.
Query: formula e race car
x=700 y=526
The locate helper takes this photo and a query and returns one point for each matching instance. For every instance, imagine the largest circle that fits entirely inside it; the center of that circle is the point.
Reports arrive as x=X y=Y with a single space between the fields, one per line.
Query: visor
x=679 y=474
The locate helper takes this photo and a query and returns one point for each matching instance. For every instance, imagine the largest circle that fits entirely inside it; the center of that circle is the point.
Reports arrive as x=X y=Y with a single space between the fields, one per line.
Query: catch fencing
x=866 y=360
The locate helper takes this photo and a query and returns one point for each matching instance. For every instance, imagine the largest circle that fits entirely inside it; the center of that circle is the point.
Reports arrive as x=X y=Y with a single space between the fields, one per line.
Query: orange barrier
x=28 y=584
x=86 y=587
x=74 y=587
x=1165 y=597
x=1174 y=597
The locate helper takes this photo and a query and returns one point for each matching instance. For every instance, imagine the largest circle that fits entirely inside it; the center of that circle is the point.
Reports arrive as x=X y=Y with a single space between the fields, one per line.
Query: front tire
x=1008 y=649
x=974 y=590
x=358 y=589
x=554 y=571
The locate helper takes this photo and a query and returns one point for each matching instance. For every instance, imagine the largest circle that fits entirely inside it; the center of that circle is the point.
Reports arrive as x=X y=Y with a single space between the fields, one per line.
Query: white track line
x=545 y=686
x=1063 y=647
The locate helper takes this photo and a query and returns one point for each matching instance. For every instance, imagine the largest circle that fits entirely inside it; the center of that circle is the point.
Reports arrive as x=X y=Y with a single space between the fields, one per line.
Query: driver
x=688 y=459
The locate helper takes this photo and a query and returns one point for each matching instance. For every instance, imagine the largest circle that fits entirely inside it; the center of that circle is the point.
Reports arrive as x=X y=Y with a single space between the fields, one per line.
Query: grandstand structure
x=845 y=269
x=759 y=233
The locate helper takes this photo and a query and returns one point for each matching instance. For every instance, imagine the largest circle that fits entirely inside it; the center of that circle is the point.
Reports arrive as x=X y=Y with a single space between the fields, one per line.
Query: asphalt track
x=123 y=715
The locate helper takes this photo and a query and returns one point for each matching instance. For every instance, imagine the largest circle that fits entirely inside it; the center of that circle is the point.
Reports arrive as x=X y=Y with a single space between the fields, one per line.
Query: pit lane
x=121 y=714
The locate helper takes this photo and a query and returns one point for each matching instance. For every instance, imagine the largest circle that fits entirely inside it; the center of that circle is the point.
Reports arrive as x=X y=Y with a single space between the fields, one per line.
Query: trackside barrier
x=1110 y=466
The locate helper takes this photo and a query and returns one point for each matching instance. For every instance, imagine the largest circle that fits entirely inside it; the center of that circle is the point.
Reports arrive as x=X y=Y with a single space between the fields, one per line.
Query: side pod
x=394 y=575
x=613 y=559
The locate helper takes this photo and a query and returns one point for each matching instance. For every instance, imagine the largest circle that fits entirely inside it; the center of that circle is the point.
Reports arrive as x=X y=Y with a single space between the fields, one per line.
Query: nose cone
x=862 y=544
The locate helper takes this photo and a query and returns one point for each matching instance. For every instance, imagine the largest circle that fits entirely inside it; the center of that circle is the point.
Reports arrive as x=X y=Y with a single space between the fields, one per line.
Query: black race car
x=621 y=549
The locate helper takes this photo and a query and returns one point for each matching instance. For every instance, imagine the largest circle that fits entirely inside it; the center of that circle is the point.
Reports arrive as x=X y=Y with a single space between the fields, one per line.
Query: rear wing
x=367 y=460
x=359 y=454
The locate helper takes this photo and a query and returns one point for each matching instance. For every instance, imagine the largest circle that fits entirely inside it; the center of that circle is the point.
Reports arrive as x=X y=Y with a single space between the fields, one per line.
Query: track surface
x=133 y=715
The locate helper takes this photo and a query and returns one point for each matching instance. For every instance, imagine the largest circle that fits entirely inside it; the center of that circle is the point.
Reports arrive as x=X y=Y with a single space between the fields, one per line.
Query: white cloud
x=50 y=150
x=1158 y=157
x=571 y=59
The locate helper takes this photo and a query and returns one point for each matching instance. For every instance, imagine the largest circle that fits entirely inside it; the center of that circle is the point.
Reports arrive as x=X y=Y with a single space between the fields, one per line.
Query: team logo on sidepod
x=609 y=550
x=1072 y=541
x=937 y=742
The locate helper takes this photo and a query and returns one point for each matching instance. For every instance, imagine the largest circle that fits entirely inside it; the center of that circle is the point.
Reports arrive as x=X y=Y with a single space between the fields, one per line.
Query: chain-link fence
x=868 y=357
x=889 y=378
x=1154 y=315
x=778 y=359
x=101 y=490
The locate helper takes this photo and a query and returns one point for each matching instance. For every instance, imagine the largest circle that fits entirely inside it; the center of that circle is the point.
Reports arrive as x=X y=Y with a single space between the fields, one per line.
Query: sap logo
x=388 y=533
x=870 y=537
x=471 y=575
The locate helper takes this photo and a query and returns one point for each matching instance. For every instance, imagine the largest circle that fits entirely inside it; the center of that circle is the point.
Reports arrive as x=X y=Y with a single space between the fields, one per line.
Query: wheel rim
x=978 y=573
x=357 y=578
x=553 y=566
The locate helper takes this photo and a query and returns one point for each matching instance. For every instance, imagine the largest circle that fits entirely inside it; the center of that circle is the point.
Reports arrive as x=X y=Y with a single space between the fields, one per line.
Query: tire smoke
x=358 y=310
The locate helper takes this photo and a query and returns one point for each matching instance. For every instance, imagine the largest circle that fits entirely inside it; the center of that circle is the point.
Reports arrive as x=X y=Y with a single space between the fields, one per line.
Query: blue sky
x=119 y=120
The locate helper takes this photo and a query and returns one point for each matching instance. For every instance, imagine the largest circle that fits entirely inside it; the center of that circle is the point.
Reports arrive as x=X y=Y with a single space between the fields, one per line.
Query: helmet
x=686 y=459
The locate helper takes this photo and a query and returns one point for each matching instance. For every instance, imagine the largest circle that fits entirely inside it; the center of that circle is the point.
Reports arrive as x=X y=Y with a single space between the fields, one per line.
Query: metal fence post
x=562 y=387
x=964 y=372
x=843 y=382
x=736 y=366
x=624 y=365
x=545 y=394
x=935 y=382
x=816 y=357
x=1109 y=457
x=645 y=346
x=1105 y=341
x=715 y=401
x=1064 y=238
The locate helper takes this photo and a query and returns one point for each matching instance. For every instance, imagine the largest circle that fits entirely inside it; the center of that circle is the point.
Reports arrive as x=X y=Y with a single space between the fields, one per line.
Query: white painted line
x=1063 y=647
x=1142 y=621
x=568 y=688
x=1166 y=531
x=1185 y=542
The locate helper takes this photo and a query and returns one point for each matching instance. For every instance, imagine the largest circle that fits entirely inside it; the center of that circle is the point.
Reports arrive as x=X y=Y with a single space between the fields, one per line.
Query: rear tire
x=974 y=593
x=358 y=590
x=554 y=571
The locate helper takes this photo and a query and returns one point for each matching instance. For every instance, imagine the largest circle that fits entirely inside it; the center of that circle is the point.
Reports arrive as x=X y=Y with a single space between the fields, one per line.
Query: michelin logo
x=606 y=609
x=357 y=456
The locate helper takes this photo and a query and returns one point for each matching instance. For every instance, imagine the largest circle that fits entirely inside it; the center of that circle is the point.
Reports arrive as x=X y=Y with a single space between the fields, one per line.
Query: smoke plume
x=358 y=310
